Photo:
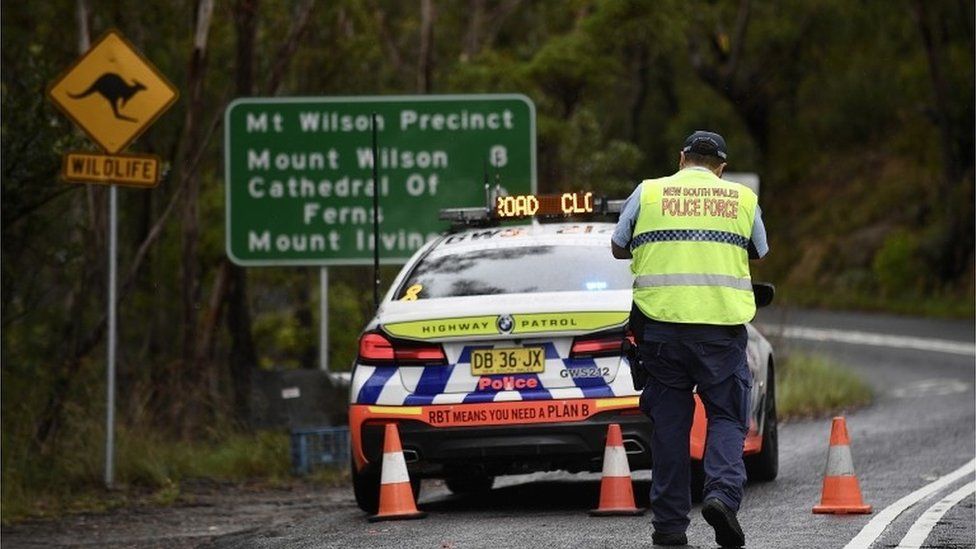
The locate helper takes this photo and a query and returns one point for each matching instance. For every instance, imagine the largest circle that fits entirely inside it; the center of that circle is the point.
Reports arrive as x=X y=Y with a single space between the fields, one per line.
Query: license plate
x=522 y=360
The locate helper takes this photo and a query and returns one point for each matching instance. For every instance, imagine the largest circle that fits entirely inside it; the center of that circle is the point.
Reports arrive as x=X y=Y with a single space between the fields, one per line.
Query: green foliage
x=867 y=182
x=70 y=480
x=347 y=317
x=898 y=264
x=814 y=385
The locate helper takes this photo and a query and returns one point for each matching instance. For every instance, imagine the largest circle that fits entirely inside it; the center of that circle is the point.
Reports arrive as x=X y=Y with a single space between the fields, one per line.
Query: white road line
x=920 y=531
x=873 y=529
x=868 y=338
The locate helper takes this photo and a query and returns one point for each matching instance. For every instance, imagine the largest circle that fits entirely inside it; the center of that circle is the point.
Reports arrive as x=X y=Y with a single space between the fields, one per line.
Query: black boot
x=674 y=538
x=728 y=533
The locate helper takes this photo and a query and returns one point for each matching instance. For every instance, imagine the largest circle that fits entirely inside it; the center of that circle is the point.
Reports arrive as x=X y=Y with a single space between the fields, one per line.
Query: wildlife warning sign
x=132 y=170
x=112 y=92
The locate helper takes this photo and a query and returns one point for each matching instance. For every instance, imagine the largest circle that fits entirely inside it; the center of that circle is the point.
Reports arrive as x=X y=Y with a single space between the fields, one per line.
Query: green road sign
x=299 y=171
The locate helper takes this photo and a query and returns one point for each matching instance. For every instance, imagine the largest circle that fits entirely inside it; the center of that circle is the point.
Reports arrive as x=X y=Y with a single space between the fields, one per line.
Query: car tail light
x=593 y=347
x=419 y=355
x=375 y=348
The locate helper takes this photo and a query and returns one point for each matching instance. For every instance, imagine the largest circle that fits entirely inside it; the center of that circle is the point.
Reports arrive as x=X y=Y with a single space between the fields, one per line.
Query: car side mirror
x=763 y=292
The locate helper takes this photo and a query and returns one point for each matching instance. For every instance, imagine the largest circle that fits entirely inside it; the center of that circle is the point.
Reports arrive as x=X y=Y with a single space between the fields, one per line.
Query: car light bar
x=464 y=215
x=520 y=206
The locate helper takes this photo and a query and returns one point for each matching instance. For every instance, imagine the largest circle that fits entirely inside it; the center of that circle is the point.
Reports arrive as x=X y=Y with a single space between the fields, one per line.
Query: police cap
x=706 y=143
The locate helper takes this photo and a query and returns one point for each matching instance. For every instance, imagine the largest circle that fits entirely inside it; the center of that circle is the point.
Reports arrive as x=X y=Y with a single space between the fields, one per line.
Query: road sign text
x=137 y=170
x=299 y=172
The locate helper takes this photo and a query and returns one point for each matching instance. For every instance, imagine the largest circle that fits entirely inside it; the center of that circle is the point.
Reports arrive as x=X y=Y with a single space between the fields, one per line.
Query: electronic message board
x=528 y=205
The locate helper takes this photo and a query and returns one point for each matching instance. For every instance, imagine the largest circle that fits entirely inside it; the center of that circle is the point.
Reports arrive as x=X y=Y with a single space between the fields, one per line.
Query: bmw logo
x=505 y=323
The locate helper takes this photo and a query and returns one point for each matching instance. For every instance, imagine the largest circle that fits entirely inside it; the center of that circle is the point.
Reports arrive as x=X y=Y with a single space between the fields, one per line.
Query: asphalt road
x=920 y=427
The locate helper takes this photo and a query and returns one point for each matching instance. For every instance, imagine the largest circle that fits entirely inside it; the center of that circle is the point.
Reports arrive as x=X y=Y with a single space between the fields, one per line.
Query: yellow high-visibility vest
x=690 y=249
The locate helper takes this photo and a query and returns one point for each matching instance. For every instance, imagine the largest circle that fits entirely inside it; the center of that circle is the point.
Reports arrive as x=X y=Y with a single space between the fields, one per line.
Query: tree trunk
x=242 y=359
x=50 y=417
x=940 y=88
x=476 y=24
x=304 y=317
x=93 y=193
x=640 y=97
x=300 y=24
x=725 y=76
x=211 y=317
x=190 y=375
x=385 y=36
x=425 y=61
x=957 y=242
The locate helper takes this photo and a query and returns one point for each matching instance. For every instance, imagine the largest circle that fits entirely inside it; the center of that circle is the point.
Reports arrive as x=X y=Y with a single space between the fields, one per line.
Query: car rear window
x=517 y=270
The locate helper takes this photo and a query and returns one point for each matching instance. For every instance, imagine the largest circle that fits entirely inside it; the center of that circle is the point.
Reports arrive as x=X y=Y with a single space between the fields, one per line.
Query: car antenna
x=376 y=218
x=487 y=178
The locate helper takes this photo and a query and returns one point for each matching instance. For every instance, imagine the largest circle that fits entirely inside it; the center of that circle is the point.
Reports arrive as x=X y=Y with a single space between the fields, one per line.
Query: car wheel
x=366 y=487
x=415 y=486
x=470 y=485
x=764 y=466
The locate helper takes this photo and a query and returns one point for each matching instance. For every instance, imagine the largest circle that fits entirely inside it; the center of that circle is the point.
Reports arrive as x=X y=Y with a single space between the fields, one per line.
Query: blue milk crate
x=321 y=446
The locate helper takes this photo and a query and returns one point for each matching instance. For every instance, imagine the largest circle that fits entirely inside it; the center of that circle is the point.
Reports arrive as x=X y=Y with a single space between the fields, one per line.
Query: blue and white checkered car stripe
x=453 y=383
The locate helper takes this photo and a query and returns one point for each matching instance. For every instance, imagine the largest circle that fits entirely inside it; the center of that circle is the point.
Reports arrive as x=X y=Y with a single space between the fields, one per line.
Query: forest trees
x=858 y=117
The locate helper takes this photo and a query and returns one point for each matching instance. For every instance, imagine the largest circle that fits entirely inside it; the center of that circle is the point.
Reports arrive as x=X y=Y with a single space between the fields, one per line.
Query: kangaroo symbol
x=114 y=89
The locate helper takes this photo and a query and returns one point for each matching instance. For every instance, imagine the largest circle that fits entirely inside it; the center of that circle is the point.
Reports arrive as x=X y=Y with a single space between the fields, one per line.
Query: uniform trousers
x=678 y=358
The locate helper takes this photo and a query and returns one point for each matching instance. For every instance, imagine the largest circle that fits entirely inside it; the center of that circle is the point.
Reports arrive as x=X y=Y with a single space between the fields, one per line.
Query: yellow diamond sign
x=112 y=92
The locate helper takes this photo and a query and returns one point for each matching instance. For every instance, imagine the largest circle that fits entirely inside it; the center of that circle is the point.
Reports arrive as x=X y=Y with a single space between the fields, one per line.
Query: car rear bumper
x=510 y=449
x=512 y=437
x=538 y=435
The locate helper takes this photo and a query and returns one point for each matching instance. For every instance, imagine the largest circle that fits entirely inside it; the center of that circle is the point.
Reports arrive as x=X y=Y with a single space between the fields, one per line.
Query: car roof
x=535 y=234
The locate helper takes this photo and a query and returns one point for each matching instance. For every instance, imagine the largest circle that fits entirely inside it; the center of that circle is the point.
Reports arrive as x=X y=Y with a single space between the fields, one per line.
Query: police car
x=498 y=350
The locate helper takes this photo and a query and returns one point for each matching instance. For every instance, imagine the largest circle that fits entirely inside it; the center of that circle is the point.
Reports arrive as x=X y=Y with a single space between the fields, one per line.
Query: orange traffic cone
x=616 y=488
x=396 y=496
x=841 y=493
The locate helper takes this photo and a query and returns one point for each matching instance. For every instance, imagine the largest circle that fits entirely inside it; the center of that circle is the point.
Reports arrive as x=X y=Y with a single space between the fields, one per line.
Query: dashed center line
x=874 y=339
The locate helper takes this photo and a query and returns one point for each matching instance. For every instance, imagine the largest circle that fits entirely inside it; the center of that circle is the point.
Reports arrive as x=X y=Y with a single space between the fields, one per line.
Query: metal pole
x=110 y=397
x=324 y=319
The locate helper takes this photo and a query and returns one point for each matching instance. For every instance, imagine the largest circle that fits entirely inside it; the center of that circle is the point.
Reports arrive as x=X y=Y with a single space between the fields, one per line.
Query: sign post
x=113 y=232
x=113 y=93
x=324 y=319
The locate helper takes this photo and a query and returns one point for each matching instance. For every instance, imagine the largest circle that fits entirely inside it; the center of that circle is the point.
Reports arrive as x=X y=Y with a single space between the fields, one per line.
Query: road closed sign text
x=299 y=183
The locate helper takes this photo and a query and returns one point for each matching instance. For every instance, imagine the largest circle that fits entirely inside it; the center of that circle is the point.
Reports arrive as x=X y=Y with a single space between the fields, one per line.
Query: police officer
x=690 y=237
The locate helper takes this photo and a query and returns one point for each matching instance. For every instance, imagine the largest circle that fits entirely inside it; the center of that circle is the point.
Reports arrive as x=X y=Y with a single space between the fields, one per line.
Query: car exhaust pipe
x=410 y=456
x=633 y=446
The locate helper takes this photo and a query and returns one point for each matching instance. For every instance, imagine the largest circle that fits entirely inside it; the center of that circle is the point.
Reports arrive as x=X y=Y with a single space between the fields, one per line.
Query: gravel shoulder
x=202 y=513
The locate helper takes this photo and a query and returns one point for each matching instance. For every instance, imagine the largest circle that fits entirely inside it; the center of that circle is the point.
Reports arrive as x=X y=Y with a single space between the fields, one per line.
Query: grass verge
x=149 y=470
x=814 y=385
